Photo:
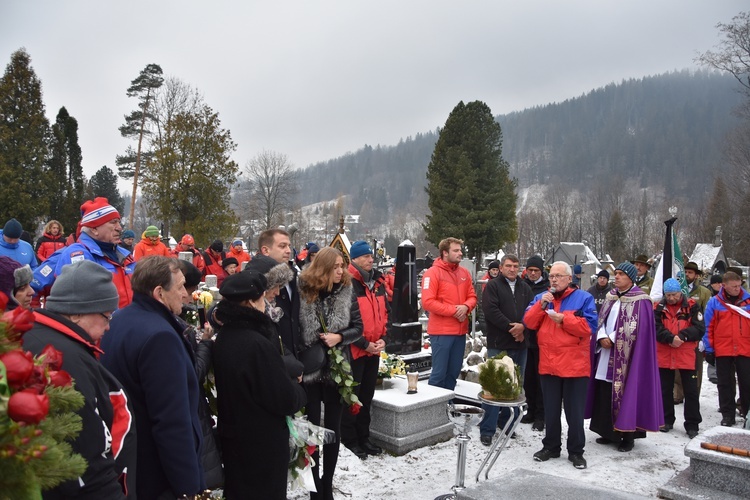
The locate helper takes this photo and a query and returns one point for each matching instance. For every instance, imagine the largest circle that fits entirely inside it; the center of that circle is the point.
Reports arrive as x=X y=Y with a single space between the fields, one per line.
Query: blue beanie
x=312 y=248
x=237 y=242
x=12 y=229
x=577 y=269
x=359 y=248
x=628 y=269
x=672 y=286
x=128 y=234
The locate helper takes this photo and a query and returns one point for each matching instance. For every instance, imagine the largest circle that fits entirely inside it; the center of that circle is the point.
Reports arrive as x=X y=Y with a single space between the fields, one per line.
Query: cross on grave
x=410 y=264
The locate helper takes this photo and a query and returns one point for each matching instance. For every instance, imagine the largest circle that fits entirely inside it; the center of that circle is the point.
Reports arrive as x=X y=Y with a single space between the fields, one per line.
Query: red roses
x=19 y=366
x=354 y=409
x=28 y=406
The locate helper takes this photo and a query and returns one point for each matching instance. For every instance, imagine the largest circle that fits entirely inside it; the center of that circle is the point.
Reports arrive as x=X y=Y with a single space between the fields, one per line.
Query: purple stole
x=636 y=388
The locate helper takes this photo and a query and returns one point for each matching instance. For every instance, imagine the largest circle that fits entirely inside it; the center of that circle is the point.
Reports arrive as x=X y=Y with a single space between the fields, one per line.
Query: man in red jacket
x=679 y=327
x=448 y=295
x=369 y=288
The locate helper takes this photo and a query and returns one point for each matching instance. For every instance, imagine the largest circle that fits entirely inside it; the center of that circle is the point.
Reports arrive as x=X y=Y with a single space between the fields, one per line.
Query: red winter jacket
x=727 y=331
x=564 y=349
x=444 y=286
x=372 y=307
x=213 y=266
x=47 y=244
x=197 y=257
x=684 y=320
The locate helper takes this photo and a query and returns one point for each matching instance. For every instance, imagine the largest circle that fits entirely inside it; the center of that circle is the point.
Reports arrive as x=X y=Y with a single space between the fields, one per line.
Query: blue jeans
x=490 y=421
x=447 y=359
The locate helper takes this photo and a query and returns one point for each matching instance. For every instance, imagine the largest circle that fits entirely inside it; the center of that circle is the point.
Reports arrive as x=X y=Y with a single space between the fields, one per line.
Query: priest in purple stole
x=624 y=395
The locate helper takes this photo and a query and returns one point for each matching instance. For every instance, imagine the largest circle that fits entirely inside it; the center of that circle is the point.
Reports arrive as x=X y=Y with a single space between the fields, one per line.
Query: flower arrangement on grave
x=37 y=414
x=390 y=365
x=341 y=374
x=500 y=378
x=304 y=439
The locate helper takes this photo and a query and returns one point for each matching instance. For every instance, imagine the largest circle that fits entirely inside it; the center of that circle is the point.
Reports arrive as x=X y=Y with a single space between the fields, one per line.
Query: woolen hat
x=217 y=246
x=495 y=264
x=22 y=276
x=716 y=278
x=98 y=211
x=83 y=287
x=358 y=249
x=128 y=233
x=628 y=269
x=12 y=229
x=243 y=286
x=672 y=286
x=536 y=262
x=276 y=274
x=313 y=248
x=694 y=267
x=151 y=231
x=8 y=267
x=603 y=274
x=577 y=269
x=228 y=262
x=643 y=259
x=237 y=242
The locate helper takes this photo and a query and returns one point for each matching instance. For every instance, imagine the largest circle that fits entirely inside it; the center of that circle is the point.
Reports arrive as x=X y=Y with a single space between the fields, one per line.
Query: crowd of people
x=610 y=354
x=275 y=342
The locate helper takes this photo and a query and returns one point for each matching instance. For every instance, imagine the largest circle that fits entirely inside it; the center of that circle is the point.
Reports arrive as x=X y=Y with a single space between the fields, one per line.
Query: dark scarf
x=109 y=249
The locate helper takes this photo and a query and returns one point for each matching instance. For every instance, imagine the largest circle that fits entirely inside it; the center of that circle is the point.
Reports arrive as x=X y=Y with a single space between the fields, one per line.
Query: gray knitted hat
x=83 y=288
x=23 y=276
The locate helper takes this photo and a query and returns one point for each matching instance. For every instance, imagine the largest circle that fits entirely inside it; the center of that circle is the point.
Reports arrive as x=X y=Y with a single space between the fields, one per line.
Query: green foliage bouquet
x=37 y=414
x=500 y=378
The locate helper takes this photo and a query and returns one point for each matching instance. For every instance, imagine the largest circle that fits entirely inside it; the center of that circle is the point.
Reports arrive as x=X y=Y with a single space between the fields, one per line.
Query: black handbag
x=314 y=357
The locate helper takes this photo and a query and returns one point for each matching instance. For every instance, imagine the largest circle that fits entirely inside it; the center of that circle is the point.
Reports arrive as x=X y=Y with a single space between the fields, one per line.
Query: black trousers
x=532 y=385
x=572 y=391
x=601 y=420
x=725 y=369
x=328 y=395
x=692 y=411
x=355 y=429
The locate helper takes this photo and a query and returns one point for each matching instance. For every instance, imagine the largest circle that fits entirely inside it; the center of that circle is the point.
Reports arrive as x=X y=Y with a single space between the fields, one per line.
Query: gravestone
x=405 y=331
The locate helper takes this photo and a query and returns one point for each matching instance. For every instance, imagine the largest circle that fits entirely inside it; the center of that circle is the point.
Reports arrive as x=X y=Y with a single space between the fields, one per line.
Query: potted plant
x=500 y=378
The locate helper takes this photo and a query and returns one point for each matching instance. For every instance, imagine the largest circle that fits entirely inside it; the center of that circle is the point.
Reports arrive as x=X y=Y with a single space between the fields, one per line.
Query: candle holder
x=411 y=378
x=463 y=417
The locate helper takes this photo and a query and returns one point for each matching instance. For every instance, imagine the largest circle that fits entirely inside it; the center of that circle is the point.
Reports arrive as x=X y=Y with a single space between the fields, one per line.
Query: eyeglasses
x=558 y=276
x=108 y=317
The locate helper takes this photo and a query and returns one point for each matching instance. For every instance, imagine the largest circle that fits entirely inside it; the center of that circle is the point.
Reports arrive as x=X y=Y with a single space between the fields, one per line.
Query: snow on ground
x=428 y=472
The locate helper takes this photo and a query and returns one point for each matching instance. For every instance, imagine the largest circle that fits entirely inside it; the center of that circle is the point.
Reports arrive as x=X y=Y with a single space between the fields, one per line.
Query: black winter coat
x=108 y=453
x=255 y=394
x=501 y=308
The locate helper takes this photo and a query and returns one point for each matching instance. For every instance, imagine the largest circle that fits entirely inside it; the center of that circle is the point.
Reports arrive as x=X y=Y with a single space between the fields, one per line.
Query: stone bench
x=403 y=422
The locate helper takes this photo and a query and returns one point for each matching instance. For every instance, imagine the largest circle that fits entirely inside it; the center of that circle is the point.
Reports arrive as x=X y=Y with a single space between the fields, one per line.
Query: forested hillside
x=665 y=131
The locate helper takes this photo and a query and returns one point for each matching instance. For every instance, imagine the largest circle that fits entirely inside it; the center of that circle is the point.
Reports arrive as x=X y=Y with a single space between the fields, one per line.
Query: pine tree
x=471 y=195
x=615 y=236
x=24 y=144
x=144 y=87
x=104 y=183
x=66 y=171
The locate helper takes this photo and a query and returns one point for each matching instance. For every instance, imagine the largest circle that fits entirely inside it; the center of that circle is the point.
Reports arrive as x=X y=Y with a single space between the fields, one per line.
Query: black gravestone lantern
x=405 y=332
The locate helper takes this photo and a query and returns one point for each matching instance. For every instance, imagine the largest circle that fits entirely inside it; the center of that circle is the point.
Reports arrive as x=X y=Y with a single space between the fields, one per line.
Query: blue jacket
x=87 y=249
x=146 y=351
x=21 y=252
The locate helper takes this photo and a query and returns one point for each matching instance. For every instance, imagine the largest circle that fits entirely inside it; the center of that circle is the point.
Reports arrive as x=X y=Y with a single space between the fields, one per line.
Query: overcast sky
x=317 y=79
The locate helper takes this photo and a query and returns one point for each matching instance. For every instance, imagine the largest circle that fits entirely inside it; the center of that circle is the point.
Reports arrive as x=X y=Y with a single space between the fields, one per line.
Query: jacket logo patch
x=76 y=257
x=426 y=283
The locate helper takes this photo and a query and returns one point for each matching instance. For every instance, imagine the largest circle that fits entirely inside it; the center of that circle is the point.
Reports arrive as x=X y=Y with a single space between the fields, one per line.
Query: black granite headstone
x=405 y=331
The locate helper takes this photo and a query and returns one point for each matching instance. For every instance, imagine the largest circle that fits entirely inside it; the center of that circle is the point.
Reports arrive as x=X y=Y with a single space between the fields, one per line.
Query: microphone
x=544 y=302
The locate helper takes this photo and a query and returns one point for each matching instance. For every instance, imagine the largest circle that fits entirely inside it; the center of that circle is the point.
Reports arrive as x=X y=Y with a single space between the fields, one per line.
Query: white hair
x=568 y=269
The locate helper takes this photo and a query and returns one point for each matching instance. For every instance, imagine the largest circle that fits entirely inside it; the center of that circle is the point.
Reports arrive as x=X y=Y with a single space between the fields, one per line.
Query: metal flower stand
x=464 y=417
x=517 y=406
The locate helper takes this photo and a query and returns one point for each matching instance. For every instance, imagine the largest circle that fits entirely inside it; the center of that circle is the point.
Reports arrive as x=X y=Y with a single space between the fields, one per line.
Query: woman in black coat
x=329 y=314
x=255 y=393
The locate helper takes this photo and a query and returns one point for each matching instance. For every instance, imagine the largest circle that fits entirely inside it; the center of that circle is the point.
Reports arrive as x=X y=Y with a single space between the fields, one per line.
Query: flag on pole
x=671 y=264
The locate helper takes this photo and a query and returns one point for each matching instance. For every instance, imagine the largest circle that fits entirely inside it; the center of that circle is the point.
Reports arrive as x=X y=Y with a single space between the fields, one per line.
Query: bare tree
x=270 y=188
x=733 y=52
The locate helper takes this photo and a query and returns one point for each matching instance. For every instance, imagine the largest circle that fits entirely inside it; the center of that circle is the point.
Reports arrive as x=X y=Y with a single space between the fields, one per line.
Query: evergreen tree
x=104 y=183
x=471 y=195
x=66 y=171
x=186 y=183
x=718 y=210
x=24 y=144
x=615 y=236
x=144 y=87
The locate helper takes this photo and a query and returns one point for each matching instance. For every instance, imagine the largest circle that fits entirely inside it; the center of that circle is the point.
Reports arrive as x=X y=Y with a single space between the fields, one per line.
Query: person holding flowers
x=255 y=392
x=76 y=317
x=330 y=321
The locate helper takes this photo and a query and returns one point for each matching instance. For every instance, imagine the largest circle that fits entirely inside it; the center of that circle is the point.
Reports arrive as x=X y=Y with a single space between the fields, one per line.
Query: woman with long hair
x=52 y=239
x=329 y=315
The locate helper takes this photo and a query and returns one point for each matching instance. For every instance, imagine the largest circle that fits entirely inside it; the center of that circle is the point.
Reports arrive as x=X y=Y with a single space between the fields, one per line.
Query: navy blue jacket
x=145 y=350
